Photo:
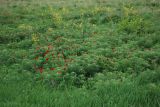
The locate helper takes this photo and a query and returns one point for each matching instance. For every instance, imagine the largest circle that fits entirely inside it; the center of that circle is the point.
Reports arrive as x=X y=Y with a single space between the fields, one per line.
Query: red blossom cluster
x=49 y=57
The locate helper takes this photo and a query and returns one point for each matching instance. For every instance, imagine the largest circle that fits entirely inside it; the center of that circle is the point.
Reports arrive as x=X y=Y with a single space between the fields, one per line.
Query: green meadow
x=79 y=53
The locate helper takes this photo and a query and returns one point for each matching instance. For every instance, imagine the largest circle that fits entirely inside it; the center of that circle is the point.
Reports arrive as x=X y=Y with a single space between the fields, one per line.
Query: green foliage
x=149 y=77
x=79 y=54
x=133 y=64
x=132 y=25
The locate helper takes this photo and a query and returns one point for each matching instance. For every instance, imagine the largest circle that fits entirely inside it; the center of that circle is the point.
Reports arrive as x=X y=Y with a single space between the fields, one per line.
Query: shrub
x=80 y=71
x=149 y=77
x=132 y=25
x=133 y=64
x=145 y=43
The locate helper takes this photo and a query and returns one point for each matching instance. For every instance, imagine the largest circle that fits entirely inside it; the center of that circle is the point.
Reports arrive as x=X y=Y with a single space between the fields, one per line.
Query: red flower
x=47 y=59
x=41 y=70
x=52 y=68
x=46 y=52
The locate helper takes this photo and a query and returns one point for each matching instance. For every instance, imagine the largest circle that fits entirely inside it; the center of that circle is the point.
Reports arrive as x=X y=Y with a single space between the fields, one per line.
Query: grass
x=105 y=94
x=94 y=53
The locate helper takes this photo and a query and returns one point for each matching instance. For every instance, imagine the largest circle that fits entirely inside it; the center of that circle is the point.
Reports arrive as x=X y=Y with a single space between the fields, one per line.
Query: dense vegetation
x=80 y=53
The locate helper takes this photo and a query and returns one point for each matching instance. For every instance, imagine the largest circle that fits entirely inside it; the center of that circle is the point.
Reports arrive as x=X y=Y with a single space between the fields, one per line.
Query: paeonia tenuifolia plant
x=49 y=62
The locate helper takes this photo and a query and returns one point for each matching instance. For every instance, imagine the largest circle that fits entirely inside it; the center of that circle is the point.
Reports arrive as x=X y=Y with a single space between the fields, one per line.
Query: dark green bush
x=149 y=77
x=133 y=64
x=145 y=43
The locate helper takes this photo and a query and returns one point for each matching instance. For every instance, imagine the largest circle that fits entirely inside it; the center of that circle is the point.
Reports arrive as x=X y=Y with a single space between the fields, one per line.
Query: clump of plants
x=82 y=69
x=132 y=25
x=49 y=64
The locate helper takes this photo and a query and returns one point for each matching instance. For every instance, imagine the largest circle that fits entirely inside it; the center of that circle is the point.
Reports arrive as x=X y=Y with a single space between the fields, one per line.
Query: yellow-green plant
x=56 y=16
x=25 y=27
x=35 y=38
x=129 y=11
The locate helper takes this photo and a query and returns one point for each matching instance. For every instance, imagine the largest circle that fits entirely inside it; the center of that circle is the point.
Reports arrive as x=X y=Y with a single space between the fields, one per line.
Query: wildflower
x=57 y=18
x=47 y=59
x=41 y=69
x=52 y=69
x=46 y=52
x=35 y=38
x=59 y=72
